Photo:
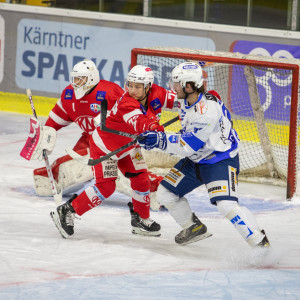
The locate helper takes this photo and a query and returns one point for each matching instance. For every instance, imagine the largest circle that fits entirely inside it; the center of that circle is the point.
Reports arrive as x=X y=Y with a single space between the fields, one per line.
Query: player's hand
x=40 y=138
x=155 y=127
x=153 y=139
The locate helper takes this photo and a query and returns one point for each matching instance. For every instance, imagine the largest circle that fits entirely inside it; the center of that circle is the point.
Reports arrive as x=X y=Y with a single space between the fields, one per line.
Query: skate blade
x=196 y=238
x=56 y=221
x=140 y=231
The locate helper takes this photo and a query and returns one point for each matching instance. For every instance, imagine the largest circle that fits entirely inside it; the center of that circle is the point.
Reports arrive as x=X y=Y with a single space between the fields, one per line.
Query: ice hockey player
x=79 y=103
x=210 y=146
x=135 y=112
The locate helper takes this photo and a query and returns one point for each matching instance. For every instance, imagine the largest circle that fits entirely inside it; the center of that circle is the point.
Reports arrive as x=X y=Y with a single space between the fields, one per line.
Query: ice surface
x=103 y=260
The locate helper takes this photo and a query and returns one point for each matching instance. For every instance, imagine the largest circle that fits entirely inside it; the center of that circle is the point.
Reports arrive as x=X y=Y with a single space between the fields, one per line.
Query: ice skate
x=143 y=226
x=265 y=242
x=196 y=232
x=63 y=218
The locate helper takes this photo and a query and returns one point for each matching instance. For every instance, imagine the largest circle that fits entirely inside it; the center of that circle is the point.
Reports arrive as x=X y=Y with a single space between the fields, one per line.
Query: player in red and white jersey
x=135 y=112
x=133 y=116
x=79 y=103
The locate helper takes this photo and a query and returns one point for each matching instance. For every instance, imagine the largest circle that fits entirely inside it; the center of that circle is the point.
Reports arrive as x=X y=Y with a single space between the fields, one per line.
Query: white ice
x=103 y=260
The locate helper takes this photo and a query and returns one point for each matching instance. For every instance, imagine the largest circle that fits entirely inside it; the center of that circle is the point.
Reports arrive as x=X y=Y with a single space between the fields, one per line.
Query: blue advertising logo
x=273 y=85
x=190 y=67
x=155 y=104
x=69 y=94
x=100 y=95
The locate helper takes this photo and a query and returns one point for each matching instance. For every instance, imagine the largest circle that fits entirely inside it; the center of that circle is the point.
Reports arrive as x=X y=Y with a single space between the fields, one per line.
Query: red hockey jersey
x=128 y=115
x=82 y=111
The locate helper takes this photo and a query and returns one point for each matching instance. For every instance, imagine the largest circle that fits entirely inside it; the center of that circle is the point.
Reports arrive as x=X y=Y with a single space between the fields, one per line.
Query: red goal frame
x=292 y=155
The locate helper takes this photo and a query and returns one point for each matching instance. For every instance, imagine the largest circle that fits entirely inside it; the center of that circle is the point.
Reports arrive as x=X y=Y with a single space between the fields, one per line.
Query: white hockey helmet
x=187 y=72
x=87 y=71
x=140 y=74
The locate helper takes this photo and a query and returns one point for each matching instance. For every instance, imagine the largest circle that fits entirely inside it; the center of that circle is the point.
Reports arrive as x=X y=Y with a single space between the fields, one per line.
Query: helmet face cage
x=140 y=74
x=79 y=82
x=186 y=72
x=88 y=75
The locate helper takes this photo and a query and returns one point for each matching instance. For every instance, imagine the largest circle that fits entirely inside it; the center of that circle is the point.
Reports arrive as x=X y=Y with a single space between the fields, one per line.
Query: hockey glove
x=153 y=139
x=40 y=138
x=155 y=127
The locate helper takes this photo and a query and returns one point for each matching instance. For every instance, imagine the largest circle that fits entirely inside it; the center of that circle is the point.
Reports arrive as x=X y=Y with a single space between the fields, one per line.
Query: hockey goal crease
x=262 y=96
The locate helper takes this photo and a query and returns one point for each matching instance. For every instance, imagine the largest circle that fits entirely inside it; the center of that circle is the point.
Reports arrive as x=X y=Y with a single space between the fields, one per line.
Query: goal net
x=261 y=94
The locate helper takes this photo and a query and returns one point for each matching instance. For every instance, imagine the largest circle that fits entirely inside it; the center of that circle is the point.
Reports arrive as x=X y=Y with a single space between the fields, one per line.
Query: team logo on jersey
x=100 y=95
x=155 y=104
x=146 y=199
x=95 y=107
x=86 y=123
x=173 y=138
x=69 y=94
x=201 y=107
x=96 y=201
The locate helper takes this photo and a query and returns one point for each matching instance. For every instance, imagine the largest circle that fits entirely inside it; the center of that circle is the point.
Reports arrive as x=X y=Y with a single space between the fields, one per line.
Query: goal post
x=261 y=94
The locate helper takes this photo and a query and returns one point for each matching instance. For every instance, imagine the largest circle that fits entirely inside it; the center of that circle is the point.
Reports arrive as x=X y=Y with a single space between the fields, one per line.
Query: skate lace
x=148 y=222
x=184 y=233
x=70 y=218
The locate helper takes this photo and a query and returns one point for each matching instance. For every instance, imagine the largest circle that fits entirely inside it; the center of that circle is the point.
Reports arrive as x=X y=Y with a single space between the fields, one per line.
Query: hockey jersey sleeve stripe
x=99 y=143
x=194 y=142
x=59 y=103
x=58 y=119
x=131 y=114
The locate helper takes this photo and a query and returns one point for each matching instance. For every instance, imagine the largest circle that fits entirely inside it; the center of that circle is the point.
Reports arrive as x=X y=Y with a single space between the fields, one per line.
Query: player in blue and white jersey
x=209 y=145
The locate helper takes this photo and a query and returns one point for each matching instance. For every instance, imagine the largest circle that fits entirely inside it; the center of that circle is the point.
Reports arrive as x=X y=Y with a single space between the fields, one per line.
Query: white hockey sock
x=243 y=220
x=178 y=208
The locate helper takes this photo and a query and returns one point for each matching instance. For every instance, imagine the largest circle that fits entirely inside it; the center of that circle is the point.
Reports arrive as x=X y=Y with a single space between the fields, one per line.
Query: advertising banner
x=274 y=85
x=2 y=31
x=47 y=51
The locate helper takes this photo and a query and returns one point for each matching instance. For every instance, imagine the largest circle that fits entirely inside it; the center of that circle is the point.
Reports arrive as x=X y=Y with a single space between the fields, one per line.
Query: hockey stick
x=103 y=123
x=57 y=196
x=133 y=136
x=93 y=162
